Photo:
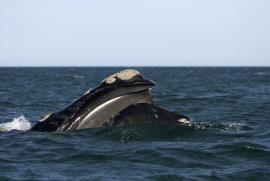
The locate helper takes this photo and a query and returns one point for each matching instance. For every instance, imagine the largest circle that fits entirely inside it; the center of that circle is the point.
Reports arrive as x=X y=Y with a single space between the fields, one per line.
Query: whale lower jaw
x=105 y=111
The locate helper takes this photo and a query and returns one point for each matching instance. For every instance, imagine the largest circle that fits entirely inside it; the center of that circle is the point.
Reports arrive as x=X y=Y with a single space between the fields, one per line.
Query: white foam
x=218 y=125
x=19 y=123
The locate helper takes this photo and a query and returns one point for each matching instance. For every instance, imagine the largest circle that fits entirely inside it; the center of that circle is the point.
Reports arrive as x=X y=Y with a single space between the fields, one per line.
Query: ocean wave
x=78 y=76
x=261 y=73
x=165 y=131
x=19 y=123
x=222 y=125
x=244 y=149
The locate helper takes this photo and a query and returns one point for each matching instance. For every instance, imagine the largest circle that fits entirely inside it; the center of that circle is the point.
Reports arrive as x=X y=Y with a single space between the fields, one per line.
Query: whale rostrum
x=123 y=98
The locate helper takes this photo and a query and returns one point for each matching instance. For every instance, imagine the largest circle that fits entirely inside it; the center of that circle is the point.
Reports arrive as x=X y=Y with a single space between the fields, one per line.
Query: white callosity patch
x=122 y=75
x=45 y=117
x=20 y=123
x=87 y=92
x=183 y=120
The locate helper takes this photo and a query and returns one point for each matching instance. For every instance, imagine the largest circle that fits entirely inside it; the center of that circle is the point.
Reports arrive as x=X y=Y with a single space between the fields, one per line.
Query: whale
x=123 y=98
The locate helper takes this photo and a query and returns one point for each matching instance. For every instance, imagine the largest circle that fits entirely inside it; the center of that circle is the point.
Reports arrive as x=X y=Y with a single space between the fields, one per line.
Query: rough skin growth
x=123 y=75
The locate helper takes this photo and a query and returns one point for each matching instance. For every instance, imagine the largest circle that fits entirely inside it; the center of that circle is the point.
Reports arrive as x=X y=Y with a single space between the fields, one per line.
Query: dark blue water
x=229 y=139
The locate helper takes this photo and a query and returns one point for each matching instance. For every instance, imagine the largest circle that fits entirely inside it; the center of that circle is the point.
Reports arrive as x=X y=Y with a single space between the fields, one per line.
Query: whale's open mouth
x=114 y=94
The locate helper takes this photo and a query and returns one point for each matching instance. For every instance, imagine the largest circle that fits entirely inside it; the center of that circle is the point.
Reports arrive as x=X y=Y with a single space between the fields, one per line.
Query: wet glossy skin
x=98 y=107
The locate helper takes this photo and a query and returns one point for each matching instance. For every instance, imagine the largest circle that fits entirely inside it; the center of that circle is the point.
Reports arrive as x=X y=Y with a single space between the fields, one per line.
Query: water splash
x=219 y=125
x=19 y=123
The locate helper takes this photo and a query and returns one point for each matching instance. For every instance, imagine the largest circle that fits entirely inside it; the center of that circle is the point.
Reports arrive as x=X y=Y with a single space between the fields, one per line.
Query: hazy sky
x=137 y=32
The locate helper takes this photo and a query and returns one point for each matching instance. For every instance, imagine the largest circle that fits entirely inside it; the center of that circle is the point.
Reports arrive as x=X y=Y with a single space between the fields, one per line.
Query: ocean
x=229 y=138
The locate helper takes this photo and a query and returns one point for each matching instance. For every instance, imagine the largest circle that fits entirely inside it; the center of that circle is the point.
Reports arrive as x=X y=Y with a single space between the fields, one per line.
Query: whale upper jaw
x=137 y=83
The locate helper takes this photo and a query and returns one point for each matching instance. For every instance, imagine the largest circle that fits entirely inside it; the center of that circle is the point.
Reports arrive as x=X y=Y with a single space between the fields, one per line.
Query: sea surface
x=229 y=138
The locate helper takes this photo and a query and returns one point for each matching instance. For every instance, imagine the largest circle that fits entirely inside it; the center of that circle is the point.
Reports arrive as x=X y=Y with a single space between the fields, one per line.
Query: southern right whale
x=123 y=98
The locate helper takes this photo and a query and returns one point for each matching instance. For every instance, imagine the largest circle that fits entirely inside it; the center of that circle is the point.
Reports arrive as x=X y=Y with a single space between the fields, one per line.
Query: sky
x=135 y=33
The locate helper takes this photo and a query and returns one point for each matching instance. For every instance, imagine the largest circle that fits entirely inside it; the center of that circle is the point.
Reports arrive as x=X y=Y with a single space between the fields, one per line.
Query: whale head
x=129 y=79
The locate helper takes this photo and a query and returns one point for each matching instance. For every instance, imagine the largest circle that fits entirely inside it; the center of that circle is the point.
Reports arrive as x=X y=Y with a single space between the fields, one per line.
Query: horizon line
x=146 y=66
